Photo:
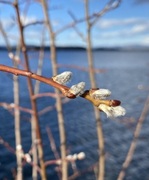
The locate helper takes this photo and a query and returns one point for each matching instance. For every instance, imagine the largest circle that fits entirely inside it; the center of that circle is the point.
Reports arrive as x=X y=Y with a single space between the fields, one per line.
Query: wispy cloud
x=145 y=40
x=110 y=28
x=141 y=1
x=28 y=19
x=136 y=30
x=119 y=31
x=108 y=23
x=8 y=23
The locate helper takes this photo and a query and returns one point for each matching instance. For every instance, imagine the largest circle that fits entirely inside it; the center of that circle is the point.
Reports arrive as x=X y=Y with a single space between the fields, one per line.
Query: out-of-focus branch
x=14 y=106
x=93 y=17
x=17 y=121
x=48 y=94
x=52 y=142
x=112 y=4
x=53 y=57
x=68 y=158
x=23 y=156
x=5 y=37
x=40 y=63
x=7 y=145
x=79 y=173
x=75 y=28
x=37 y=22
x=100 y=136
x=19 y=175
x=36 y=134
x=95 y=70
x=50 y=108
x=133 y=145
x=53 y=146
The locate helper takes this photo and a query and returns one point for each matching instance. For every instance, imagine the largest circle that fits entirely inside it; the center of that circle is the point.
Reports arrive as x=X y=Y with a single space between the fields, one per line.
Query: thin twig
x=79 y=173
x=64 y=89
x=75 y=28
x=95 y=70
x=101 y=163
x=133 y=145
x=36 y=134
x=14 y=106
x=53 y=146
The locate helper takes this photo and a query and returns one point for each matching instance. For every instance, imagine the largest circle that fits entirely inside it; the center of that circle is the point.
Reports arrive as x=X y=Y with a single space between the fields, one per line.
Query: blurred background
x=120 y=47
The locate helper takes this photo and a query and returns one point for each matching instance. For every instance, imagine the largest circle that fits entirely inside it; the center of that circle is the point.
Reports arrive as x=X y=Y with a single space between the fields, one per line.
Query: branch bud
x=99 y=93
x=111 y=111
x=81 y=155
x=77 y=89
x=63 y=78
x=27 y=157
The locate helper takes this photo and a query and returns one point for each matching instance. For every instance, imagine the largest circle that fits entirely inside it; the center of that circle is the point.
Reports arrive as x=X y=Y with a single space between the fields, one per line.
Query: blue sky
x=125 y=26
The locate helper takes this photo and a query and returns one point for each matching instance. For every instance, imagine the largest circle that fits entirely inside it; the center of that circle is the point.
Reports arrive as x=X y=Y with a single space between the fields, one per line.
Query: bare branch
x=39 y=22
x=75 y=28
x=64 y=89
x=14 y=106
x=133 y=145
x=110 y=6
x=95 y=70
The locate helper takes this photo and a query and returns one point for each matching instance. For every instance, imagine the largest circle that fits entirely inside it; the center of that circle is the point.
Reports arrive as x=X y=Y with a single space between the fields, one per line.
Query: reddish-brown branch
x=52 y=143
x=95 y=70
x=94 y=17
x=50 y=108
x=14 y=106
x=36 y=134
x=7 y=145
x=79 y=173
x=53 y=95
x=62 y=88
x=133 y=145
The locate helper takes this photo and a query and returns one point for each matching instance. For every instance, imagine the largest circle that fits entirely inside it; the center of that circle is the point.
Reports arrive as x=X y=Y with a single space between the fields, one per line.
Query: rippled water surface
x=126 y=74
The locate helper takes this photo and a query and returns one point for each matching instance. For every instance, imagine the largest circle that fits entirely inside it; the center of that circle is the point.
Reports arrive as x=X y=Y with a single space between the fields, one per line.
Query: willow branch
x=100 y=136
x=64 y=89
x=95 y=70
x=75 y=28
x=36 y=134
x=133 y=145
x=15 y=71
x=109 y=6
x=14 y=106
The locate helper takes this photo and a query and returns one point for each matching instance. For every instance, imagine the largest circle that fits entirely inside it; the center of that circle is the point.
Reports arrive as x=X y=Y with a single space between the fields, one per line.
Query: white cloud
x=145 y=40
x=109 y=23
x=116 y=32
x=7 y=23
x=28 y=19
x=139 y=28
x=123 y=28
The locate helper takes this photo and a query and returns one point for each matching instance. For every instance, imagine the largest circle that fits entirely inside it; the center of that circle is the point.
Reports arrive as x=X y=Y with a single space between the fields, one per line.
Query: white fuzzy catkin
x=28 y=157
x=78 y=89
x=101 y=94
x=81 y=155
x=63 y=78
x=11 y=55
x=112 y=112
x=19 y=147
x=69 y=157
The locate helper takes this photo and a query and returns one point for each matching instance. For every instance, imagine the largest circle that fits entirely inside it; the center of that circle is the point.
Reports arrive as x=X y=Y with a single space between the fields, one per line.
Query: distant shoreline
x=71 y=48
